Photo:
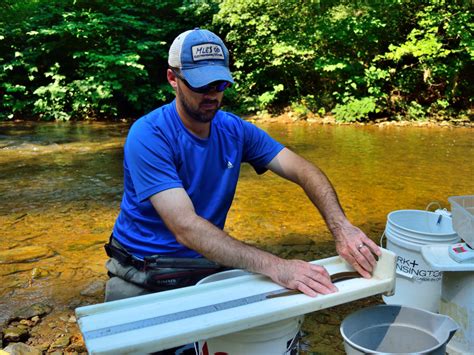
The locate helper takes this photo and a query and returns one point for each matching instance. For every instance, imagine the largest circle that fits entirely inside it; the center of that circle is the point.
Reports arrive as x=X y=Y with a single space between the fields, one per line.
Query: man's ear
x=171 y=79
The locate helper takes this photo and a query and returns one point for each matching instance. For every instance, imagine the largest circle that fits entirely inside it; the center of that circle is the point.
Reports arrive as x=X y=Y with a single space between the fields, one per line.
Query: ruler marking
x=189 y=313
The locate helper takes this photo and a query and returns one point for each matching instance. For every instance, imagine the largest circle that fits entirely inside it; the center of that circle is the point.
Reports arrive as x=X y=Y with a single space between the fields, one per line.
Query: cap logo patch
x=208 y=51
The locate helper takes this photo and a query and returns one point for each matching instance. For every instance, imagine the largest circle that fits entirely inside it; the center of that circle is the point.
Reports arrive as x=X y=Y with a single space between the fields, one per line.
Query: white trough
x=167 y=319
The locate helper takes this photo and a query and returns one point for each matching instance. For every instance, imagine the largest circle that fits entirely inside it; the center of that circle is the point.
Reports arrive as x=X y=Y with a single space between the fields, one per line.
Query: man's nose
x=212 y=92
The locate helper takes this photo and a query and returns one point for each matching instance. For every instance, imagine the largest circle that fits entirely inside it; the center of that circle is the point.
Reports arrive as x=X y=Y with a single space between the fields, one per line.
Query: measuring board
x=164 y=320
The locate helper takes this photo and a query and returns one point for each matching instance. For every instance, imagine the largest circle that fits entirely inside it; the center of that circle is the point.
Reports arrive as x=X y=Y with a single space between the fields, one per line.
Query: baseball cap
x=201 y=56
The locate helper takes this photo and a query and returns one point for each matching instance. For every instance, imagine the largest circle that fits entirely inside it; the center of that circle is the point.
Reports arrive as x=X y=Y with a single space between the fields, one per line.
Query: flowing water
x=61 y=185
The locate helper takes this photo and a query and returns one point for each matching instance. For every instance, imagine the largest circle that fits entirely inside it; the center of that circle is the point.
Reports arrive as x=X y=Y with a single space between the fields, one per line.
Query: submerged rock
x=77 y=303
x=43 y=347
x=24 y=254
x=35 y=320
x=77 y=345
x=21 y=349
x=15 y=334
x=39 y=273
x=60 y=342
x=96 y=288
x=35 y=310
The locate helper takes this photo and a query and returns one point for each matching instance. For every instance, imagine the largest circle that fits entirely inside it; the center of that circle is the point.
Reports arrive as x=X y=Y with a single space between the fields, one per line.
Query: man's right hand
x=303 y=276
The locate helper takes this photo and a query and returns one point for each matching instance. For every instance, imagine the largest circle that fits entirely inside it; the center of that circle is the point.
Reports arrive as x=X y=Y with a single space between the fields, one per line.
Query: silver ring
x=360 y=246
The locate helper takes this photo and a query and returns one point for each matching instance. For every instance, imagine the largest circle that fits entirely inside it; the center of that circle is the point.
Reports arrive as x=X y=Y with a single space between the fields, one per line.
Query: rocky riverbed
x=41 y=299
x=48 y=327
x=61 y=188
x=35 y=330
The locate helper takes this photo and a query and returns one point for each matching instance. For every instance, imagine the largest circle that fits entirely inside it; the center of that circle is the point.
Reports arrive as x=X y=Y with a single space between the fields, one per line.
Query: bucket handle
x=294 y=344
x=433 y=203
x=381 y=239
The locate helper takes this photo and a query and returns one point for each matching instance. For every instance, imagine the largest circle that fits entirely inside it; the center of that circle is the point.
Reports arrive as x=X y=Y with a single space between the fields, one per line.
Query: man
x=181 y=167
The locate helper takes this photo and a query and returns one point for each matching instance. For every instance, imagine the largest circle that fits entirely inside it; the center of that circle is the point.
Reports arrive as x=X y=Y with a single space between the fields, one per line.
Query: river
x=61 y=185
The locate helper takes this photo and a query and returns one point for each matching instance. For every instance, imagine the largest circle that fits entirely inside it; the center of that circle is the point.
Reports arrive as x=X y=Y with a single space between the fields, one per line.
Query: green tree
x=75 y=59
x=359 y=59
x=431 y=68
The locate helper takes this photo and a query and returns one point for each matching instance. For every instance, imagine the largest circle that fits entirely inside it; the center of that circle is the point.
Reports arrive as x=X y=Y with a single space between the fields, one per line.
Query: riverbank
x=290 y=117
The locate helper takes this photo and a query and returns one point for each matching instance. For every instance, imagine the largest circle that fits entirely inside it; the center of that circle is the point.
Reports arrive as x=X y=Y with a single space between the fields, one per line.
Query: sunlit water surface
x=61 y=185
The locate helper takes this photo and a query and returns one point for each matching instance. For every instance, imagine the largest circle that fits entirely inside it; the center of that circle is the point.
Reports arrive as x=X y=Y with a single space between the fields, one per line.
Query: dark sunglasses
x=219 y=86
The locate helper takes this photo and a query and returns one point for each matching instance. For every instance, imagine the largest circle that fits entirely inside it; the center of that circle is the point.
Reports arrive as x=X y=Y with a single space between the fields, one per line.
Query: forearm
x=322 y=194
x=213 y=243
x=351 y=243
x=220 y=247
x=315 y=184
x=177 y=211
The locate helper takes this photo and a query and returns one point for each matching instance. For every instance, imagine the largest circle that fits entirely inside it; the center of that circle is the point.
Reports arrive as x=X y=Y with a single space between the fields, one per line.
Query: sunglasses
x=219 y=86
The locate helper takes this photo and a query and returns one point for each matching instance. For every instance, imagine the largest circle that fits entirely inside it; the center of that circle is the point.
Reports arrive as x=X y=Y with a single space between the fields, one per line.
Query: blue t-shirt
x=160 y=154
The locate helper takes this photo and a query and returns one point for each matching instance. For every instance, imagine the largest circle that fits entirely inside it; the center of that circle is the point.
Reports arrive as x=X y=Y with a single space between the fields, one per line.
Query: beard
x=203 y=112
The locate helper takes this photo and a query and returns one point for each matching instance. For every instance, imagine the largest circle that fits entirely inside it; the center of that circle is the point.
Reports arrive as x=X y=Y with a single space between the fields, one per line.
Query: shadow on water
x=61 y=186
x=59 y=163
x=58 y=133
x=57 y=177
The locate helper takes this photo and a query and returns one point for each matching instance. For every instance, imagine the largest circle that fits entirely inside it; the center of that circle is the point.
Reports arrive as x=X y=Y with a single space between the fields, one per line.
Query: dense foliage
x=77 y=59
x=397 y=58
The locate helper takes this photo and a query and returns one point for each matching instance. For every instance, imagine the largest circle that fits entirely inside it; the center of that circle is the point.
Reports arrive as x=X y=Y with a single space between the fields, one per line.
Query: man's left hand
x=357 y=249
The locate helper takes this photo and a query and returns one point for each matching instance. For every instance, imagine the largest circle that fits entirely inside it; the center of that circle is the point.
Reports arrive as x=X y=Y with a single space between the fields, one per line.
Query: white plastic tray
x=126 y=326
x=463 y=217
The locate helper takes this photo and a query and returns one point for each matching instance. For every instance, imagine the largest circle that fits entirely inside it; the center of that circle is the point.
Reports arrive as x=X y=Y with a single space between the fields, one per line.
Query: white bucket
x=418 y=284
x=281 y=337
